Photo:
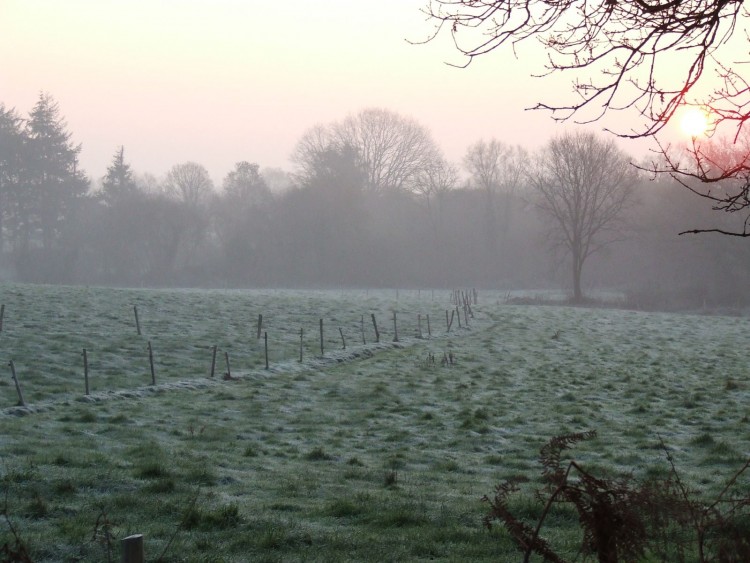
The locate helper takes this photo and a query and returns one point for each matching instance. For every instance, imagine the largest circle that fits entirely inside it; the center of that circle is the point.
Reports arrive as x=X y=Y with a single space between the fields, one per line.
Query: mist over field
x=358 y=211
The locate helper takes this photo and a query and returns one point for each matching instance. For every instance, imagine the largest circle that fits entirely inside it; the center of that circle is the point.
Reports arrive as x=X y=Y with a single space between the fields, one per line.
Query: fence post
x=229 y=371
x=2 y=316
x=213 y=360
x=301 y=340
x=86 y=370
x=362 y=328
x=132 y=549
x=265 y=346
x=21 y=402
x=151 y=363
x=429 y=330
x=375 y=325
x=260 y=325
x=322 y=352
x=395 y=328
x=343 y=340
x=137 y=322
x=419 y=325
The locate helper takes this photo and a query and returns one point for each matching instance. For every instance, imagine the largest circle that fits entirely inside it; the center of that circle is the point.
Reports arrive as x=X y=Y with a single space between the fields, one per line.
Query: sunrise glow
x=694 y=122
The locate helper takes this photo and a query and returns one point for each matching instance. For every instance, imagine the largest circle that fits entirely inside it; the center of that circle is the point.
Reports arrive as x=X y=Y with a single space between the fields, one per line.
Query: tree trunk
x=577 y=269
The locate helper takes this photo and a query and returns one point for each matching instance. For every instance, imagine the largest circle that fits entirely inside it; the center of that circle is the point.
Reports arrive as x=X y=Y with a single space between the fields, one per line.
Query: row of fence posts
x=133 y=545
x=465 y=297
x=458 y=296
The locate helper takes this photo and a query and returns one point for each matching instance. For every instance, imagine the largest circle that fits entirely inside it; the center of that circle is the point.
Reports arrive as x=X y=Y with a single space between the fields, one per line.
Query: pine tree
x=54 y=182
x=118 y=184
x=11 y=165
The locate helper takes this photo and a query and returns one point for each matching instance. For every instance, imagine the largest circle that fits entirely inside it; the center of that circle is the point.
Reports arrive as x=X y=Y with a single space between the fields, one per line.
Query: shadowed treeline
x=358 y=212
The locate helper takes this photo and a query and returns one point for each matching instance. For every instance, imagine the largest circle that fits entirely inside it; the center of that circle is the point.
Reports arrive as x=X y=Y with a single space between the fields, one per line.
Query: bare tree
x=191 y=186
x=392 y=150
x=717 y=170
x=497 y=170
x=314 y=142
x=648 y=56
x=435 y=179
x=583 y=184
x=189 y=183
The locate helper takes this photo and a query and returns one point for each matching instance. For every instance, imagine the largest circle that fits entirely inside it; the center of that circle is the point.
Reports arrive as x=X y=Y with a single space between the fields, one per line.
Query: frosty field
x=368 y=454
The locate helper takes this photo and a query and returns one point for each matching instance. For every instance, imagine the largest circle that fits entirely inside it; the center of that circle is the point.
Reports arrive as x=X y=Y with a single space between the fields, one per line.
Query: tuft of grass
x=161 y=486
x=343 y=508
x=317 y=454
x=390 y=479
x=152 y=470
x=703 y=440
x=64 y=487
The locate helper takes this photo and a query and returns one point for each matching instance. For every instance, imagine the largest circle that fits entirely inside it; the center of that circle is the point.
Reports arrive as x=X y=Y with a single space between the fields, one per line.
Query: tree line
x=372 y=202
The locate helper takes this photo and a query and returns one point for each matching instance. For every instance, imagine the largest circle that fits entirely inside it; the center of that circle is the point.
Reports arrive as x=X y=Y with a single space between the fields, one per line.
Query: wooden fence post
x=213 y=360
x=301 y=339
x=260 y=325
x=429 y=330
x=132 y=549
x=343 y=340
x=137 y=322
x=151 y=363
x=265 y=346
x=362 y=328
x=375 y=325
x=458 y=316
x=2 y=316
x=322 y=350
x=86 y=370
x=229 y=370
x=419 y=325
x=21 y=402
x=395 y=328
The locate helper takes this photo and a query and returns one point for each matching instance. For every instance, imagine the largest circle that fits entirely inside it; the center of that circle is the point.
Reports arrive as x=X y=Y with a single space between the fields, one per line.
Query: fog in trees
x=371 y=202
x=583 y=185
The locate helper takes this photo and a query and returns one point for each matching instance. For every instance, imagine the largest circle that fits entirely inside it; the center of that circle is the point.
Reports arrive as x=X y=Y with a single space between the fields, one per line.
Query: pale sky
x=220 y=81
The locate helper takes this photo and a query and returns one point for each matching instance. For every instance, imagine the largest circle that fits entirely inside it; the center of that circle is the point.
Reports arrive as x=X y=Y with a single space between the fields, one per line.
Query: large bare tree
x=583 y=184
x=497 y=169
x=650 y=57
x=189 y=183
x=392 y=150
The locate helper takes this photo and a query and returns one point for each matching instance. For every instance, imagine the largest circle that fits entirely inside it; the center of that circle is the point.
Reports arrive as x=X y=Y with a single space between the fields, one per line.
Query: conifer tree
x=118 y=184
x=11 y=165
x=53 y=180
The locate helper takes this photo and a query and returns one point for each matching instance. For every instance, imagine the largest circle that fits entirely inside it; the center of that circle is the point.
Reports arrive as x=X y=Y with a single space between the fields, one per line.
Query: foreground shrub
x=625 y=519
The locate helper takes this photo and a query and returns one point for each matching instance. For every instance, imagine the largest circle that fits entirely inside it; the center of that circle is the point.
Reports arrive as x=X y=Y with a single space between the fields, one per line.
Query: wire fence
x=63 y=343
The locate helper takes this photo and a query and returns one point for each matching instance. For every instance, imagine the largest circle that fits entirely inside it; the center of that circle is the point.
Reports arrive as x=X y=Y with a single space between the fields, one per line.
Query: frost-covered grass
x=372 y=454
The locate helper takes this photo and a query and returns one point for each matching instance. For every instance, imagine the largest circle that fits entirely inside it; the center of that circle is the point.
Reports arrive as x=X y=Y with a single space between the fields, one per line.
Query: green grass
x=380 y=456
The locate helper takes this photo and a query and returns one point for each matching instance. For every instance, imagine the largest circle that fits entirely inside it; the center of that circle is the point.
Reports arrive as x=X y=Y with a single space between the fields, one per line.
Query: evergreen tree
x=54 y=182
x=118 y=184
x=11 y=165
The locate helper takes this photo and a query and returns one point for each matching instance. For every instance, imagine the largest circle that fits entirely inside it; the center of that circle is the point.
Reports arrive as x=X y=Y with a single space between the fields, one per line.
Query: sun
x=694 y=122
